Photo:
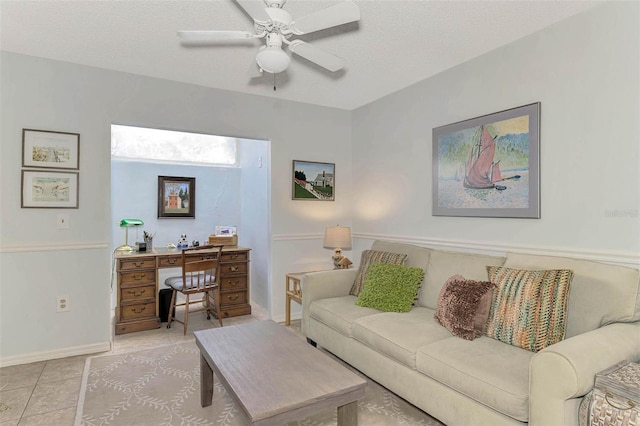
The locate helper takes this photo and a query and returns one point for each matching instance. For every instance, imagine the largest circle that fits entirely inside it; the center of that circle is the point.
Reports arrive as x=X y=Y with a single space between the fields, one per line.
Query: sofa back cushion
x=444 y=264
x=600 y=293
x=417 y=256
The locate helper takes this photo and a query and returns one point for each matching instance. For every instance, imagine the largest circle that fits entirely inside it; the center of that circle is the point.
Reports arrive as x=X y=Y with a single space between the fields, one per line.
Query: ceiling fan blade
x=214 y=35
x=341 y=13
x=255 y=9
x=317 y=56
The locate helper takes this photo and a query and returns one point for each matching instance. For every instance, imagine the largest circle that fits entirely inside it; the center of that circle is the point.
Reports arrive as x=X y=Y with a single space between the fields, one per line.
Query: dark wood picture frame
x=176 y=197
x=49 y=189
x=50 y=149
x=312 y=180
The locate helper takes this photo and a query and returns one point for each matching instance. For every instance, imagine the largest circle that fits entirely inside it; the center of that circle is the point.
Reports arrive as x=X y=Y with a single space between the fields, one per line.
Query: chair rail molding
x=39 y=247
x=628 y=259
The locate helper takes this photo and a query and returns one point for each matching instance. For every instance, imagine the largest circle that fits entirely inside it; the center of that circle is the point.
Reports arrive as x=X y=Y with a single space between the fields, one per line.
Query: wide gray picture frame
x=467 y=155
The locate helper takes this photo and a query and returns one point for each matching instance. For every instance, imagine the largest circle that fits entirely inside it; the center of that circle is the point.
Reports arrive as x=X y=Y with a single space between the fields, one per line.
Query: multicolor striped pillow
x=529 y=307
x=369 y=257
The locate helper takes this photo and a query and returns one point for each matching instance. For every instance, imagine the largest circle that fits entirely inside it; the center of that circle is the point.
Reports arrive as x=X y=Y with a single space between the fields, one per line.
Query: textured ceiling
x=395 y=44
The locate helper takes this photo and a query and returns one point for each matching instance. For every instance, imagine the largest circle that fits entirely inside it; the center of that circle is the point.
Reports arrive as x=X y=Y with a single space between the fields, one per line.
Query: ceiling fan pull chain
x=274 y=82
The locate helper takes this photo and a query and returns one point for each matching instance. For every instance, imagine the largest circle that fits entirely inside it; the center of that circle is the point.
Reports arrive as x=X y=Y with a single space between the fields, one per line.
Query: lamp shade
x=337 y=237
x=126 y=223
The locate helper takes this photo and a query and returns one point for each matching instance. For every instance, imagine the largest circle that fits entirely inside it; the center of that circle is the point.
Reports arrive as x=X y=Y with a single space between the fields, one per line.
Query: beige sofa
x=484 y=381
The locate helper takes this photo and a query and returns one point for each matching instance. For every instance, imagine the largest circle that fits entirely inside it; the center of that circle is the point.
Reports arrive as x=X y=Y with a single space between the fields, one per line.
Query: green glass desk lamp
x=126 y=224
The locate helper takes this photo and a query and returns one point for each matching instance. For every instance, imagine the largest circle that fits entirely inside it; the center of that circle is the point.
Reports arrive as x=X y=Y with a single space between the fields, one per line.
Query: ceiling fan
x=277 y=27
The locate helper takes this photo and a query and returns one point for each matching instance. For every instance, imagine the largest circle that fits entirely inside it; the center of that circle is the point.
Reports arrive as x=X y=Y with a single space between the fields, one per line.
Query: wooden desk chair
x=200 y=275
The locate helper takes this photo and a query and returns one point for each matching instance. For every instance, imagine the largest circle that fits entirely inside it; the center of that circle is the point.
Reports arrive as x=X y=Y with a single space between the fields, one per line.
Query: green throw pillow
x=390 y=288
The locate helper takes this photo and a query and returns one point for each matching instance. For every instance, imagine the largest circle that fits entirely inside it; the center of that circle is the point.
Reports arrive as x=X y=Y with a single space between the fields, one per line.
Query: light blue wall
x=134 y=194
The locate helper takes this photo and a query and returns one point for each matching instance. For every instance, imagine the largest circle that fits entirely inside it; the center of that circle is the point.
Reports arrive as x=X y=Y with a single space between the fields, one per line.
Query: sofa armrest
x=567 y=369
x=321 y=285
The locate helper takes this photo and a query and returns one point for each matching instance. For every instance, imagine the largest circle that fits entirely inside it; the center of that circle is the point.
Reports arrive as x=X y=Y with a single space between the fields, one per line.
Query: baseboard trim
x=619 y=258
x=55 y=354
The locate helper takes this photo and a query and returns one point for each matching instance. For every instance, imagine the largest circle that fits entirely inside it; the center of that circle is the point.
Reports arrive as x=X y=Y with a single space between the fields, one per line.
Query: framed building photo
x=176 y=197
x=489 y=166
x=52 y=150
x=313 y=181
x=49 y=189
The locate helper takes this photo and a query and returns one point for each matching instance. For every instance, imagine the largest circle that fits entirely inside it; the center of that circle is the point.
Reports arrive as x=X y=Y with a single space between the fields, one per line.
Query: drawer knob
x=138 y=277
x=233 y=268
x=233 y=283
x=234 y=256
x=172 y=261
x=138 y=264
x=135 y=311
x=233 y=297
x=136 y=294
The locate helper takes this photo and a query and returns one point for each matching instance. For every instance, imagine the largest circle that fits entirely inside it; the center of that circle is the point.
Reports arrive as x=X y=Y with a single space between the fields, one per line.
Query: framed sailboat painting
x=489 y=166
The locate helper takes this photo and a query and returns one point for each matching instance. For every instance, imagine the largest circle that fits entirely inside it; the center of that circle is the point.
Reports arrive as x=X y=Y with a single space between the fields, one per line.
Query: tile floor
x=46 y=392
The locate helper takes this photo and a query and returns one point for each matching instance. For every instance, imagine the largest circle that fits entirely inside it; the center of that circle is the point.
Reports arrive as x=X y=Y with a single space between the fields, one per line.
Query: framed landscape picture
x=489 y=166
x=49 y=189
x=176 y=197
x=53 y=150
x=313 y=181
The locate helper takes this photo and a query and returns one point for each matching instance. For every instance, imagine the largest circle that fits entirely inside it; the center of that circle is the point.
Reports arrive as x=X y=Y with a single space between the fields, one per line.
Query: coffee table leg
x=206 y=382
x=348 y=414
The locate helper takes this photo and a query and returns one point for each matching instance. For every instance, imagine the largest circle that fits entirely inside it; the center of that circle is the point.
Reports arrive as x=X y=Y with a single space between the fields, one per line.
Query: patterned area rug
x=161 y=386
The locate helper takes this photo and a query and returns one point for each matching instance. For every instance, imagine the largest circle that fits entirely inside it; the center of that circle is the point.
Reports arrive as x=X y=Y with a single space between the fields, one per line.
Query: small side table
x=293 y=292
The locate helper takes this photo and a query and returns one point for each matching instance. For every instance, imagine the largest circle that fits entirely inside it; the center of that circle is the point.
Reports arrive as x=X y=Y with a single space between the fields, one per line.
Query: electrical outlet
x=62 y=304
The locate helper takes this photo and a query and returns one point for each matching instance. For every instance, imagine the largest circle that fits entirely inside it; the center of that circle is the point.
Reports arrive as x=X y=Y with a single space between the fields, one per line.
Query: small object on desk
x=183 y=243
x=141 y=247
x=171 y=246
x=195 y=243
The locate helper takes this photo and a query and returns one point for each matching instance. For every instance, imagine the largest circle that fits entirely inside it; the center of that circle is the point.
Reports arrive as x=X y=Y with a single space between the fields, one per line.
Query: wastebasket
x=164 y=300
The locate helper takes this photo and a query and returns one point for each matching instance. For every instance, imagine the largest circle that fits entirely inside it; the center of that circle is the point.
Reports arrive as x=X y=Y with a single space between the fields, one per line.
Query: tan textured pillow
x=463 y=306
x=529 y=307
x=369 y=257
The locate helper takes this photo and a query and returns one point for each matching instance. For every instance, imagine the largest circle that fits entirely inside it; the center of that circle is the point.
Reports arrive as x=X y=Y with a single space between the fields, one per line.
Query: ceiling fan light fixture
x=272 y=59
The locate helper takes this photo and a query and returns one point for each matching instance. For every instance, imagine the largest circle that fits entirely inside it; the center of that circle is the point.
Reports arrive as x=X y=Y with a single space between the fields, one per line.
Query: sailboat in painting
x=481 y=171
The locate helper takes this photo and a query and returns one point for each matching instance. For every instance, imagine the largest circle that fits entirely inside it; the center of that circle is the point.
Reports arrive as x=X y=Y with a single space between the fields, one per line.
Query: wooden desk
x=137 y=307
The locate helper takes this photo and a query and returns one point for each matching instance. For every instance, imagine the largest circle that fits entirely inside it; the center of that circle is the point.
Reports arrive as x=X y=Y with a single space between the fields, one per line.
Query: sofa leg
x=312 y=343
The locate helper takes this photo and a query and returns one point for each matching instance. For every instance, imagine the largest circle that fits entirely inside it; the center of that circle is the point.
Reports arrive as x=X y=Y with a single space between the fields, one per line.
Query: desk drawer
x=137 y=263
x=233 y=268
x=234 y=256
x=234 y=298
x=138 y=277
x=134 y=293
x=142 y=310
x=233 y=283
x=173 y=261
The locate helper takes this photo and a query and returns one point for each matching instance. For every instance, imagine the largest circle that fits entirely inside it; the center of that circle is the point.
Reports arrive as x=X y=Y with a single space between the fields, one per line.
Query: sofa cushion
x=491 y=372
x=600 y=293
x=529 y=307
x=416 y=256
x=367 y=259
x=399 y=335
x=339 y=312
x=463 y=306
x=390 y=288
x=444 y=264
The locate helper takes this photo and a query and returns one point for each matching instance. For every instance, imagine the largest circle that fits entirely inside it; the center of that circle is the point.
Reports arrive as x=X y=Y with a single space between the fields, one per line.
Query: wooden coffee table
x=274 y=376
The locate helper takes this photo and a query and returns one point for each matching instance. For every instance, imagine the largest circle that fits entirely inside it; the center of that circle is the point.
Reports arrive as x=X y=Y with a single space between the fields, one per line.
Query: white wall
x=39 y=262
x=585 y=73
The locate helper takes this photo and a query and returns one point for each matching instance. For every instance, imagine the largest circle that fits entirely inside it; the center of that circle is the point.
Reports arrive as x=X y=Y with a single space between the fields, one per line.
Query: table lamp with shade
x=126 y=224
x=338 y=238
